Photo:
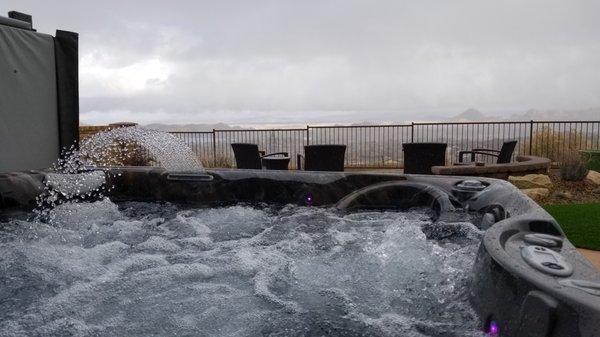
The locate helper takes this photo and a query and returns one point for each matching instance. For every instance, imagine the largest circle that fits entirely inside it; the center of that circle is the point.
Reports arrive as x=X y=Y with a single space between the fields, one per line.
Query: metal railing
x=380 y=146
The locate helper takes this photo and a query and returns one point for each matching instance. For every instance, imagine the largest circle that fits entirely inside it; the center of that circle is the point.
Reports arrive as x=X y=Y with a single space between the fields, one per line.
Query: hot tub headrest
x=397 y=195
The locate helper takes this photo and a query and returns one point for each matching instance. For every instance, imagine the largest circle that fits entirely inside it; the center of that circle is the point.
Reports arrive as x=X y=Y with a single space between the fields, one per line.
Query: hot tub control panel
x=546 y=261
x=466 y=189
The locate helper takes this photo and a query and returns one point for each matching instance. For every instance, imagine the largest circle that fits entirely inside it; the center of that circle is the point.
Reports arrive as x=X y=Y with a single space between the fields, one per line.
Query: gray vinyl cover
x=29 y=131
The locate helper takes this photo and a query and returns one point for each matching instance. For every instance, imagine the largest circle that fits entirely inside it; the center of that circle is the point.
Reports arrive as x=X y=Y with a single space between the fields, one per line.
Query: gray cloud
x=326 y=61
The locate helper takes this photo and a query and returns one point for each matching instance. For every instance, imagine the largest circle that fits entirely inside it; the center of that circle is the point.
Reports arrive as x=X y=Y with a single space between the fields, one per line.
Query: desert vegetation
x=559 y=145
x=221 y=161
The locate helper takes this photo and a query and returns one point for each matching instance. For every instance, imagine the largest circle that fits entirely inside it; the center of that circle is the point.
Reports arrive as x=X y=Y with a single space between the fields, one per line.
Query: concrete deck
x=592 y=255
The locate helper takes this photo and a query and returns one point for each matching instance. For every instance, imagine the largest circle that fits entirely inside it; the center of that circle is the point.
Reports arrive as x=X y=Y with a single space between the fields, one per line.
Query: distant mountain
x=192 y=127
x=555 y=114
x=470 y=115
x=474 y=115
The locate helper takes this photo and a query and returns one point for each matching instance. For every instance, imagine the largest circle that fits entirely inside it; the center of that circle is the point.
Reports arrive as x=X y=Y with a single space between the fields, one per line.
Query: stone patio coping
x=523 y=165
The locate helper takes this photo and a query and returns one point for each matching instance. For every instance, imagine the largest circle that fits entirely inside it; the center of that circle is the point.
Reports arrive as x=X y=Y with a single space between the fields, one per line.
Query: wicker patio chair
x=328 y=157
x=247 y=156
x=503 y=155
x=419 y=158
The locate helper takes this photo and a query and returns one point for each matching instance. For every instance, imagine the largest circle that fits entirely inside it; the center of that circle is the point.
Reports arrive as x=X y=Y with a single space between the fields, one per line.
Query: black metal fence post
x=530 y=136
x=412 y=132
x=307 y=135
x=214 y=137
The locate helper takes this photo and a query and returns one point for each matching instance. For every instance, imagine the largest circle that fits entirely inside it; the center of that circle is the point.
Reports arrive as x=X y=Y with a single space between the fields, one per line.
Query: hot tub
x=244 y=252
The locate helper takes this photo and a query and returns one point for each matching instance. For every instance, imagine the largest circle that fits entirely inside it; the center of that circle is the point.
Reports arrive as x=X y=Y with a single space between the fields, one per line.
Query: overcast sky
x=252 y=62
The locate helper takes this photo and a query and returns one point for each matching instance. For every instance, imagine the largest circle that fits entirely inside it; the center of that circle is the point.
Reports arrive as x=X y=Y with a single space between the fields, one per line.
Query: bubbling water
x=70 y=181
x=143 y=269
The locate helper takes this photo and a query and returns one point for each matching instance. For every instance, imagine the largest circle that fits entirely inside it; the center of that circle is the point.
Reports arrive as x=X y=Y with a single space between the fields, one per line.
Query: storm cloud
x=281 y=61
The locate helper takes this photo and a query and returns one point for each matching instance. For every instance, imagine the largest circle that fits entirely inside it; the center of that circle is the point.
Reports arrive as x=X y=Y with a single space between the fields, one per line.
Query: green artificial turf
x=581 y=223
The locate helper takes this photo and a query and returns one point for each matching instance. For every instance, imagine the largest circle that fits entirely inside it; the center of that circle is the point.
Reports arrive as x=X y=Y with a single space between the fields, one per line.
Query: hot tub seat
x=398 y=195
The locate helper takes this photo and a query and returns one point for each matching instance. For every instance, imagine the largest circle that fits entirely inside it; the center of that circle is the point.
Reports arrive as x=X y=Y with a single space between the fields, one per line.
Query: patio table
x=276 y=163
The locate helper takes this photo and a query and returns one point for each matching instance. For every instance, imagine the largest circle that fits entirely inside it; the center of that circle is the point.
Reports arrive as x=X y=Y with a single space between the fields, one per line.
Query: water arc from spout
x=168 y=151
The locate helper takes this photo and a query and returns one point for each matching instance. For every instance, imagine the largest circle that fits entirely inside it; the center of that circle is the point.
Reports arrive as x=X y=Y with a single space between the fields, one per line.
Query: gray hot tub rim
x=521 y=300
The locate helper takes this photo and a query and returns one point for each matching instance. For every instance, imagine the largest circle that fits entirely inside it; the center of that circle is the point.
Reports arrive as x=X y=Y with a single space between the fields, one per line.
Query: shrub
x=557 y=144
x=137 y=156
x=222 y=161
x=120 y=153
x=573 y=167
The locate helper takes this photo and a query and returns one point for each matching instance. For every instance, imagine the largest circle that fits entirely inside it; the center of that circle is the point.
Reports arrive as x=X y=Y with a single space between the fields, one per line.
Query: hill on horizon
x=192 y=127
x=474 y=115
x=469 y=115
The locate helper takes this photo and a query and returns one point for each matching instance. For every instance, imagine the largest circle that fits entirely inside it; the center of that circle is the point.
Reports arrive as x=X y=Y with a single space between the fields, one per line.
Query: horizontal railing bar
x=256 y=130
x=471 y=123
x=501 y=122
x=358 y=126
x=391 y=125
x=567 y=122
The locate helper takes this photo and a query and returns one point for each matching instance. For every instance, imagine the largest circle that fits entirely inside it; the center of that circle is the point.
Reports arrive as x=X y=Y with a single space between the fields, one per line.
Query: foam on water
x=156 y=270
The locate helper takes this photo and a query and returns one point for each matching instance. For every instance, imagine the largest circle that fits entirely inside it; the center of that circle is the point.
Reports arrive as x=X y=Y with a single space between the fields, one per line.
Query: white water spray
x=72 y=180
x=121 y=144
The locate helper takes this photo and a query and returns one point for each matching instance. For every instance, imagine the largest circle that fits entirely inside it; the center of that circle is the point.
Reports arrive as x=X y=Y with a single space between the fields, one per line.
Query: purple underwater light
x=309 y=199
x=494 y=330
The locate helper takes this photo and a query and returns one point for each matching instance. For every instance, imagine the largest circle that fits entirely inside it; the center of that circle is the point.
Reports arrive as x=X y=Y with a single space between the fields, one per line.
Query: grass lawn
x=581 y=223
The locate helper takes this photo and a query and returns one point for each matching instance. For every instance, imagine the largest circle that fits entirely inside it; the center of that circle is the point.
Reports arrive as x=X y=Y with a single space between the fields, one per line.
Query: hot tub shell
x=507 y=290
